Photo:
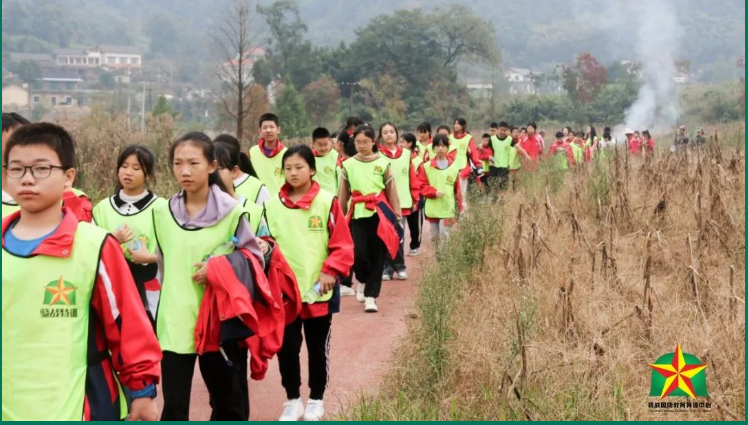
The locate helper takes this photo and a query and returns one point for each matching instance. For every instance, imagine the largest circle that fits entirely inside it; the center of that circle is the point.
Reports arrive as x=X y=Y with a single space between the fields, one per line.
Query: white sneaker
x=360 y=293
x=293 y=410
x=413 y=253
x=403 y=275
x=346 y=291
x=371 y=305
x=314 y=410
x=386 y=277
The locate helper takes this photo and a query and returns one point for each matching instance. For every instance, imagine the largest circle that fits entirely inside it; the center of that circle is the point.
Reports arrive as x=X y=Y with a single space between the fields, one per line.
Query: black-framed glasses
x=38 y=171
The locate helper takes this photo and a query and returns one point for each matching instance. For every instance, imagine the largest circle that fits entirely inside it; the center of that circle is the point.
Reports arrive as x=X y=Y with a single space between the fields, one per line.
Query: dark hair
x=353 y=122
x=424 y=127
x=305 y=152
x=568 y=128
x=503 y=124
x=397 y=133
x=12 y=120
x=145 y=157
x=209 y=151
x=320 y=133
x=444 y=127
x=440 y=139
x=349 y=147
x=647 y=133
x=533 y=125
x=269 y=117
x=486 y=136
x=410 y=139
x=572 y=132
x=334 y=135
x=239 y=157
x=368 y=132
x=606 y=133
x=494 y=125
x=593 y=133
x=523 y=129
x=463 y=123
x=559 y=134
x=513 y=128
x=45 y=134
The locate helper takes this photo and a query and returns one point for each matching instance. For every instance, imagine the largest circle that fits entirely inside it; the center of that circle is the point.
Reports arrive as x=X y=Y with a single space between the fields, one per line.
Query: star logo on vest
x=278 y=171
x=314 y=223
x=59 y=299
x=328 y=169
x=378 y=170
x=678 y=374
x=450 y=179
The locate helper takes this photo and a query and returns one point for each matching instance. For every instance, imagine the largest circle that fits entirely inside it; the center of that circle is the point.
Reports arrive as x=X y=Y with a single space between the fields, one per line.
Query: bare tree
x=233 y=39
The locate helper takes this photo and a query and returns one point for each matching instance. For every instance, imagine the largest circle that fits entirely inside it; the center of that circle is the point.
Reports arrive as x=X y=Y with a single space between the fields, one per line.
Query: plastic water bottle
x=311 y=296
x=223 y=249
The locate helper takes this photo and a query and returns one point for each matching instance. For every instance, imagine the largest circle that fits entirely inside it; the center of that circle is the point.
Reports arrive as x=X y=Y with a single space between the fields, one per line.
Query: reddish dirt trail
x=362 y=345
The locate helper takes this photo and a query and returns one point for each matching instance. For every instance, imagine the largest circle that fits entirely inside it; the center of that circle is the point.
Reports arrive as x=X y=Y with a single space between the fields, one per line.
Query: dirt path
x=361 y=346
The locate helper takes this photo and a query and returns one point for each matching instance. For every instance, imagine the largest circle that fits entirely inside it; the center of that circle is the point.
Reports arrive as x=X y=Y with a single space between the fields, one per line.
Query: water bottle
x=311 y=296
x=223 y=249
x=136 y=243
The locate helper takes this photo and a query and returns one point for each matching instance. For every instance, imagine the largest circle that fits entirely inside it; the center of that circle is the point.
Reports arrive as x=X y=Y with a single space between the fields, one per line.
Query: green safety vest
x=421 y=147
x=327 y=171
x=443 y=181
x=9 y=209
x=578 y=152
x=303 y=237
x=417 y=161
x=269 y=170
x=502 y=151
x=461 y=145
x=562 y=159
x=515 y=163
x=249 y=189
x=367 y=178
x=180 y=298
x=400 y=169
x=46 y=313
x=255 y=214
x=107 y=217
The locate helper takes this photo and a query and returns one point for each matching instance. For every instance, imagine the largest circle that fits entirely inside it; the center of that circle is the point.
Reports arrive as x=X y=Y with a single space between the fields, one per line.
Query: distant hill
x=530 y=33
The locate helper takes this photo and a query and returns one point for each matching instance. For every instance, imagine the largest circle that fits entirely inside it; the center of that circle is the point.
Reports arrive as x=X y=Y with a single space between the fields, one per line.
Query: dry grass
x=597 y=273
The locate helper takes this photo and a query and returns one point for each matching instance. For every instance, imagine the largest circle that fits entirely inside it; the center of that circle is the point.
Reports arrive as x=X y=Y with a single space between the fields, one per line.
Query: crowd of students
x=249 y=259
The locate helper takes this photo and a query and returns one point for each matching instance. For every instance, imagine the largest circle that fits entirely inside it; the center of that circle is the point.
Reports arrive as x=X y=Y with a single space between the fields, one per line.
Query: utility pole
x=142 y=111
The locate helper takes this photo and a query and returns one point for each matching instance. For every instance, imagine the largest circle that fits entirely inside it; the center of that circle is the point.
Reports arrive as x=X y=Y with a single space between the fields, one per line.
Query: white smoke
x=655 y=29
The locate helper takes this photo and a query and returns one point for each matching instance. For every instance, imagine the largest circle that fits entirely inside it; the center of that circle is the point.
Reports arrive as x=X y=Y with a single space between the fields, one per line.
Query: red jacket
x=339 y=248
x=532 y=145
x=429 y=191
x=120 y=326
x=79 y=205
x=414 y=185
x=565 y=146
x=284 y=287
x=388 y=229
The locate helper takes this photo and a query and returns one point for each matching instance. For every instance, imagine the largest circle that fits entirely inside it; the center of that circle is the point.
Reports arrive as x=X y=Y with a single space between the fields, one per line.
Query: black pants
x=415 y=224
x=227 y=385
x=501 y=177
x=398 y=263
x=317 y=333
x=368 y=254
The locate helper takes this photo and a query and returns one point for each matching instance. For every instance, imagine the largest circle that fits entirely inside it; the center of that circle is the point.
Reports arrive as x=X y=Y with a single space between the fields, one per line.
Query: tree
x=107 y=80
x=256 y=103
x=161 y=107
x=27 y=70
x=470 y=37
x=290 y=110
x=233 y=41
x=322 y=99
x=382 y=97
x=286 y=31
x=584 y=80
